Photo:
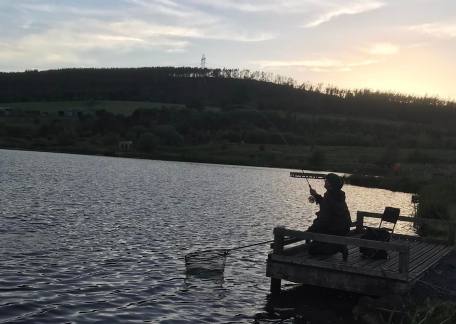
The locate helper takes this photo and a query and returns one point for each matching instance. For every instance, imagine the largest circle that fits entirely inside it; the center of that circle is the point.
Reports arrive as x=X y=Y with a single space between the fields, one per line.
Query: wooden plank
x=327 y=257
x=354 y=256
x=355 y=259
x=393 y=258
x=295 y=250
x=411 y=248
x=424 y=257
x=288 y=241
x=419 y=271
x=337 y=266
x=337 y=280
x=392 y=263
x=404 y=259
x=409 y=258
x=369 y=263
x=358 y=260
x=345 y=240
x=366 y=262
x=421 y=250
x=417 y=256
x=420 y=220
x=415 y=251
x=407 y=238
x=373 y=263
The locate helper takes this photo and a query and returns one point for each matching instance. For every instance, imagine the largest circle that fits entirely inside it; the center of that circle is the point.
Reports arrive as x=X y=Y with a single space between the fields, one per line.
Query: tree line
x=226 y=88
x=187 y=126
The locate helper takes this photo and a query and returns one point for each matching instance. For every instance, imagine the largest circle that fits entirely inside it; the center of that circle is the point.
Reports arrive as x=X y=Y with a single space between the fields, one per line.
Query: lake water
x=96 y=239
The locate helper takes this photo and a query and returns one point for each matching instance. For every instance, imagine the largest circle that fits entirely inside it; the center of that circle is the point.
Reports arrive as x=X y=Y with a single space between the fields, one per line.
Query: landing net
x=206 y=261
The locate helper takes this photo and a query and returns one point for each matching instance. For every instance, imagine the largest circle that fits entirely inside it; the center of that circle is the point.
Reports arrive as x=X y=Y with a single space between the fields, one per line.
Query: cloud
x=71 y=42
x=144 y=29
x=252 y=6
x=34 y=55
x=438 y=30
x=320 y=65
x=382 y=49
x=165 y=7
x=344 y=9
x=65 y=9
x=238 y=36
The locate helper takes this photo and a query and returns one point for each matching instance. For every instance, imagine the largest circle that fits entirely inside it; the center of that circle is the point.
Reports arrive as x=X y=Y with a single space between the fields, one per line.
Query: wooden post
x=278 y=249
x=278 y=240
x=451 y=233
x=359 y=222
x=275 y=286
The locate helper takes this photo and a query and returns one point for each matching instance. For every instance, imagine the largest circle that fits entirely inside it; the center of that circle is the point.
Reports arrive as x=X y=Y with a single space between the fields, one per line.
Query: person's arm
x=316 y=196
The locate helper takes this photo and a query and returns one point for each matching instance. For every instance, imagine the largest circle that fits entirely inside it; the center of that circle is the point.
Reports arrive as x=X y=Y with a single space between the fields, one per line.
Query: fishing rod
x=310 y=187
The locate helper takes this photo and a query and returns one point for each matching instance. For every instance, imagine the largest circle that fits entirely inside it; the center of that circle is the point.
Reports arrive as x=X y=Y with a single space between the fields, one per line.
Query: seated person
x=333 y=217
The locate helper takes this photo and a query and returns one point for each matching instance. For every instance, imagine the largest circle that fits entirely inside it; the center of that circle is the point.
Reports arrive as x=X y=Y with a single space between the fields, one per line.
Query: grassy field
x=405 y=168
x=125 y=108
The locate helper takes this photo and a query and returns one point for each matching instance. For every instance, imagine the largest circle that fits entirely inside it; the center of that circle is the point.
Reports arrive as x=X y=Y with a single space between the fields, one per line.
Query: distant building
x=125 y=146
x=5 y=111
x=70 y=113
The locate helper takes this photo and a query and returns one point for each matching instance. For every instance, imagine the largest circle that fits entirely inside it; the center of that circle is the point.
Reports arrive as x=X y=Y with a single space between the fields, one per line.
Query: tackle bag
x=376 y=234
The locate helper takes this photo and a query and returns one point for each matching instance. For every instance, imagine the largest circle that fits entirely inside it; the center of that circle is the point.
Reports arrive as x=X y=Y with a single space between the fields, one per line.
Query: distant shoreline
x=360 y=180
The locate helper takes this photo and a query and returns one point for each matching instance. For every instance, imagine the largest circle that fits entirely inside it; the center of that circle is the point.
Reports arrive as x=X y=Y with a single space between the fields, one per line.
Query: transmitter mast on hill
x=203 y=61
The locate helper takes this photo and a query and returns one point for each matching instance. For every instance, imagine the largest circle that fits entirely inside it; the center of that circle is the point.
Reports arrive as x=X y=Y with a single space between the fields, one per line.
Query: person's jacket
x=333 y=216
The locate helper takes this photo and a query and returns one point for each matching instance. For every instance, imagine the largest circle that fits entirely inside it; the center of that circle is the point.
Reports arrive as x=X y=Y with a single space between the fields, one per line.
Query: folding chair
x=390 y=215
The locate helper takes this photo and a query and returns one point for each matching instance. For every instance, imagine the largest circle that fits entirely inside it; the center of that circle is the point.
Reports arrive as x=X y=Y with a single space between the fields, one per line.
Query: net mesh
x=206 y=261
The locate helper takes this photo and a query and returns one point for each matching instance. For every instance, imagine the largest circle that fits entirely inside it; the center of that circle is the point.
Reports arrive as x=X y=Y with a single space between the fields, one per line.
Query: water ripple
x=90 y=239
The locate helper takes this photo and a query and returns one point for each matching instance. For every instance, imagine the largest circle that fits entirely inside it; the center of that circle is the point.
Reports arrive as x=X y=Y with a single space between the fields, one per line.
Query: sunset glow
x=400 y=46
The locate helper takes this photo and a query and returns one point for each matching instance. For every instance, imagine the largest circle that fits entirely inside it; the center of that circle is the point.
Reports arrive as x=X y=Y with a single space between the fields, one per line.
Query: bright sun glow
x=381 y=44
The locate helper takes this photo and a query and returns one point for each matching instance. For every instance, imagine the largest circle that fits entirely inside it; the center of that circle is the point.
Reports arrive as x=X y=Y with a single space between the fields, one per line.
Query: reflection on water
x=89 y=239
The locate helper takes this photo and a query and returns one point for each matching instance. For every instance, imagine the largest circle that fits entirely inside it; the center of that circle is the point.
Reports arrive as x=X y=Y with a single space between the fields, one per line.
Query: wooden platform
x=409 y=258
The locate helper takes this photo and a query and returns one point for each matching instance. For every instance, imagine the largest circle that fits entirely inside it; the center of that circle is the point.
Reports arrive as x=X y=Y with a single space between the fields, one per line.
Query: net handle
x=246 y=246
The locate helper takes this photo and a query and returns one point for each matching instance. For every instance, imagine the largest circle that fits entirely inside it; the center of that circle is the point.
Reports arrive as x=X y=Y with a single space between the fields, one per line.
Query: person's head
x=333 y=182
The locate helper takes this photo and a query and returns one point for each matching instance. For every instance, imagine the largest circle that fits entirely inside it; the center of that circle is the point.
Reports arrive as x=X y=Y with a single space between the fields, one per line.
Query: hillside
x=227 y=116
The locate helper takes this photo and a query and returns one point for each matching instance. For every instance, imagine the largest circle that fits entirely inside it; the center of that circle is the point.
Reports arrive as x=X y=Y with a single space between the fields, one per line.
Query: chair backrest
x=390 y=215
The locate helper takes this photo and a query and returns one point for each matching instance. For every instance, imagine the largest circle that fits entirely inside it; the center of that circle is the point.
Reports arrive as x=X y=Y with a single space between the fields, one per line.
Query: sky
x=406 y=46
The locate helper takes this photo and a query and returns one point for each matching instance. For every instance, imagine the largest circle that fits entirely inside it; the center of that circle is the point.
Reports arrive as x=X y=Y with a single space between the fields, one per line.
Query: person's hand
x=313 y=192
x=311 y=199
